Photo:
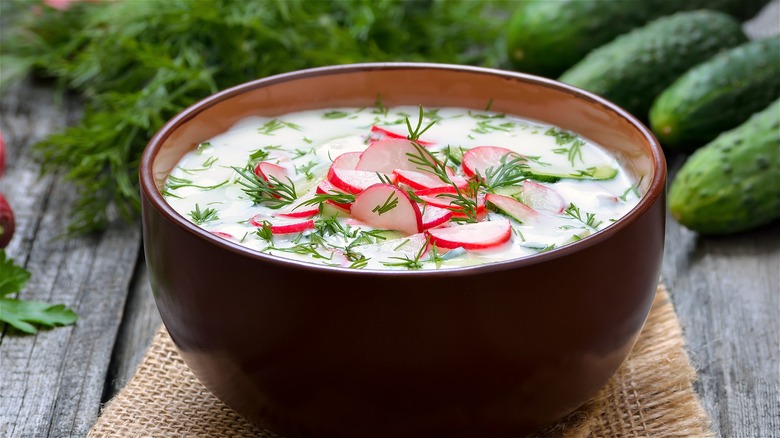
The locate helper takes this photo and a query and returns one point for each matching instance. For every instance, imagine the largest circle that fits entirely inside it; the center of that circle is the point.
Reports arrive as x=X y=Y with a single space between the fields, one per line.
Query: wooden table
x=726 y=291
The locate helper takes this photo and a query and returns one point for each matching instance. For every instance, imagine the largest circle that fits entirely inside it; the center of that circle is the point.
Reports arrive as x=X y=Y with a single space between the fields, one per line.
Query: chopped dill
x=174 y=183
x=274 y=125
x=414 y=134
x=390 y=203
x=589 y=219
x=199 y=217
x=273 y=193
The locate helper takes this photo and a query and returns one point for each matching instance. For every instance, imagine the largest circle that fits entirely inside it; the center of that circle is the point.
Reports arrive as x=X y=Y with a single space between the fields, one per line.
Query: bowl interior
x=430 y=85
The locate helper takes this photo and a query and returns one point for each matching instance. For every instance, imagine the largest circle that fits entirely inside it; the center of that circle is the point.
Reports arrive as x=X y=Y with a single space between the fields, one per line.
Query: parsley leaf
x=22 y=314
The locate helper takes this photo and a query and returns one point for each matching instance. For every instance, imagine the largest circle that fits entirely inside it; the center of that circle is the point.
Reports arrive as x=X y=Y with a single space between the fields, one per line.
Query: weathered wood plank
x=140 y=323
x=727 y=294
x=52 y=383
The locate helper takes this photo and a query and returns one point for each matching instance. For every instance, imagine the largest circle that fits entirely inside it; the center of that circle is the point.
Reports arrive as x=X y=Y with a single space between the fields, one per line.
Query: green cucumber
x=634 y=68
x=717 y=95
x=547 y=37
x=733 y=183
x=549 y=174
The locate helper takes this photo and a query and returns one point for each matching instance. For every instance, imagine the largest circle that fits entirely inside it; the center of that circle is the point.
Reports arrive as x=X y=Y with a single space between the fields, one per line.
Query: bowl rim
x=154 y=197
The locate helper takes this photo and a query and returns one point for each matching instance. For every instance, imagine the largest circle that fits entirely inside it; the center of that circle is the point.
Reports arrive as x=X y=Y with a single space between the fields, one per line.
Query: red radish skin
x=354 y=181
x=482 y=158
x=434 y=216
x=445 y=201
x=427 y=181
x=223 y=235
x=542 y=198
x=325 y=187
x=385 y=156
x=297 y=210
x=296 y=227
x=266 y=170
x=300 y=212
x=480 y=235
x=7 y=224
x=347 y=160
x=404 y=217
x=378 y=134
x=514 y=208
x=286 y=227
x=436 y=191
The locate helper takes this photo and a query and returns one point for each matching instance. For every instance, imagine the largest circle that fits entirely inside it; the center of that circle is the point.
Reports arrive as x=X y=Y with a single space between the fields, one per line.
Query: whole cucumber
x=733 y=183
x=717 y=95
x=547 y=37
x=634 y=68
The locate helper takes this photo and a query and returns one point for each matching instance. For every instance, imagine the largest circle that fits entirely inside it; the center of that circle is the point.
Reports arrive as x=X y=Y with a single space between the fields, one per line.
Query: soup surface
x=400 y=188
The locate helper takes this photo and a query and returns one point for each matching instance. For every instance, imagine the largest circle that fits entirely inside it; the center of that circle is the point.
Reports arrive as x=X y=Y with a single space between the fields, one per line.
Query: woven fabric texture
x=651 y=395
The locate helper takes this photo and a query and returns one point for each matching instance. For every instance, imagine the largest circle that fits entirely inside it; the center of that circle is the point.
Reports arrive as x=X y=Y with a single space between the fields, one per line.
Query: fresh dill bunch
x=135 y=64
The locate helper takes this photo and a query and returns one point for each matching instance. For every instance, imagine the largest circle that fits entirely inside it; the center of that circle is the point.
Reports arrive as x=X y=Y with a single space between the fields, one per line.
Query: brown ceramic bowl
x=492 y=350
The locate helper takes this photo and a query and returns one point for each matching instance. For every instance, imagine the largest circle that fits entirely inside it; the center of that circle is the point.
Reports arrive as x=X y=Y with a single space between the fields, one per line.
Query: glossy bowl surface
x=491 y=350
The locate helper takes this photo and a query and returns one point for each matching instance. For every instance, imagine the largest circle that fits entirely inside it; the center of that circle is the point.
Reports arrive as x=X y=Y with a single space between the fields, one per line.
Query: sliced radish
x=445 y=201
x=403 y=216
x=541 y=198
x=354 y=181
x=436 y=191
x=297 y=209
x=223 y=235
x=294 y=227
x=266 y=170
x=426 y=181
x=513 y=208
x=325 y=187
x=482 y=158
x=282 y=227
x=388 y=155
x=434 y=216
x=347 y=160
x=378 y=134
x=481 y=235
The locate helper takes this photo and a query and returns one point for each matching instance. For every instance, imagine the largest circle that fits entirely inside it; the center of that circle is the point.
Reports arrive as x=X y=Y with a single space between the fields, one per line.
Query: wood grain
x=51 y=383
x=726 y=291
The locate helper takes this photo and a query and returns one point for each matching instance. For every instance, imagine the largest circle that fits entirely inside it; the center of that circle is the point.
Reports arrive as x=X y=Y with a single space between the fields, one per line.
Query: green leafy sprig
x=199 y=217
x=272 y=193
x=24 y=315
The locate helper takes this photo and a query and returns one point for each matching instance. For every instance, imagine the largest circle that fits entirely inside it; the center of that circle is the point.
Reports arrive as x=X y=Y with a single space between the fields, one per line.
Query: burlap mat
x=650 y=396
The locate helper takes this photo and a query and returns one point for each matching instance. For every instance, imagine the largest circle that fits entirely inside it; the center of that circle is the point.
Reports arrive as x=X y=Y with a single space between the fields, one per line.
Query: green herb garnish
x=589 y=219
x=199 y=217
x=24 y=314
x=390 y=203
x=272 y=193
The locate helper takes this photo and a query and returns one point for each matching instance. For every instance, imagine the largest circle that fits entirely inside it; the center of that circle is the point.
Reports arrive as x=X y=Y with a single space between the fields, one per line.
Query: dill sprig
x=334 y=196
x=411 y=263
x=272 y=193
x=466 y=201
x=574 y=151
x=414 y=134
x=174 y=183
x=589 y=220
x=199 y=217
x=507 y=173
x=390 y=203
